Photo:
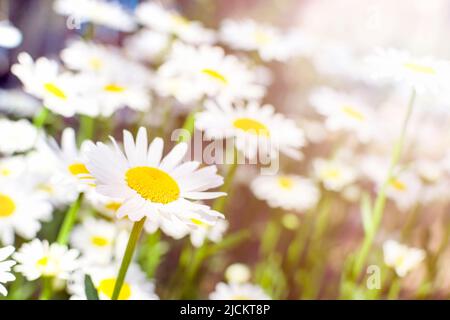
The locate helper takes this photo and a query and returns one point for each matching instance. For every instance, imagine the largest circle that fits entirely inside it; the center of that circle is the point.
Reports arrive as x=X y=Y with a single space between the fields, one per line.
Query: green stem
x=69 y=221
x=189 y=126
x=46 y=291
x=87 y=127
x=219 y=203
x=126 y=260
x=40 y=118
x=380 y=201
x=394 y=289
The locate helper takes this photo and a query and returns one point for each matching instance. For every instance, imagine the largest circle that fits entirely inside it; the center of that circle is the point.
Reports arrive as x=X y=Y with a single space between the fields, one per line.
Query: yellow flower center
x=114 y=88
x=99 y=241
x=179 y=20
x=113 y=206
x=107 y=288
x=251 y=126
x=285 y=183
x=331 y=173
x=7 y=206
x=398 y=185
x=153 y=184
x=42 y=262
x=96 y=63
x=262 y=37
x=78 y=168
x=55 y=90
x=353 y=113
x=215 y=75
x=419 y=68
x=197 y=222
x=5 y=172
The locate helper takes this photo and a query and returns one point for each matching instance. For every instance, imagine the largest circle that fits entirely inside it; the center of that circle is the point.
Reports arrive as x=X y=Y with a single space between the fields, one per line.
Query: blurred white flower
x=282 y=191
x=16 y=136
x=12 y=167
x=255 y=128
x=10 y=36
x=5 y=268
x=334 y=174
x=104 y=205
x=146 y=45
x=402 y=258
x=40 y=259
x=237 y=273
x=237 y=291
x=204 y=231
x=405 y=189
x=17 y=102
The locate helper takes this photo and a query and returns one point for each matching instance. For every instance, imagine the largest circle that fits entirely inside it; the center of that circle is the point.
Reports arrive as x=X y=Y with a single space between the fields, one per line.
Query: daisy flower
x=5 y=268
x=152 y=186
x=105 y=205
x=170 y=22
x=424 y=74
x=40 y=259
x=105 y=13
x=146 y=45
x=334 y=174
x=18 y=103
x=135 y=287
x=191 y=73
x=282 y=191
x=254 y=128
x=42 y=79
x=97 y=240
x=21 y=210
x=236 y=291
x=12 y=167
x=343 y=112
x=405 y=189
x=402 y=258
x=17 y=136
x=205 y=231
x=237 y=273
x=10 y=36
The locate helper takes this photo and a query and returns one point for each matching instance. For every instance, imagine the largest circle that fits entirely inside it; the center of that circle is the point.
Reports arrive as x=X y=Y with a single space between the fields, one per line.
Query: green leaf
x=366 y=212
x=89 y=288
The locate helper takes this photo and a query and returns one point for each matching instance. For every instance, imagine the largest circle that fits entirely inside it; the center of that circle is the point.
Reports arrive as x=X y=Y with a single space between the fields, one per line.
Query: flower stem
x=219 y=203
x=126 y=260
x=380 y=201
x=87 y=127
x=189 y=126
x=39 y=119
x=69 y=221
x=46 y=291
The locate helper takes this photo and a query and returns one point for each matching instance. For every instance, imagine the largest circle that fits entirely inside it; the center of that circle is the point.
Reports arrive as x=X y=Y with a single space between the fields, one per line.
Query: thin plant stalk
x=220 y=203
x=69 y=221
x=40 y=118
x=46 y=292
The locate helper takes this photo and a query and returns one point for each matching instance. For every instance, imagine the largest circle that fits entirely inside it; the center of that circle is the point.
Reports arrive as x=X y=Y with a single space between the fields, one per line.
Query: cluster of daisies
x=168 y=67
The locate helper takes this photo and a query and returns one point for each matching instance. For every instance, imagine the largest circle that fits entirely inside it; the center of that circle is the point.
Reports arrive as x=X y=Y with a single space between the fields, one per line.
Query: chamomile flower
x=334 y=174
x=18 y=103
x=146 y=45
x=42 y=79
x=152 y=186
x=255 y=128
x=104 y=205
x=10 y=36
x=21 y=210
x=12 y=167
x=171 y=22
x=424 y=74
x=135 y=287
x=282 y=191
x=402 y=258
x=101 y=12
x=205 y=231
x=40 y=259
x=404 y=188
x=237 y=291
x=97 y=240
x=237 y=273
x=16 y=136
x=5 y=268
x=343 y=112
x=191 y=73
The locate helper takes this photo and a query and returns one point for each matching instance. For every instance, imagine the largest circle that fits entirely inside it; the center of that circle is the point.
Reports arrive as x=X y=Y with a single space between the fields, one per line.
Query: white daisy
x=191 y=73
x=39 y=259
x=289 y=192
x=254 y=128
x=18 y=103
x=109 y=14
x=146 y=45
x=135 y=287
x=405 y=189
x=16 y=136
x=425 y=74
x=97 y=240
x=5 y=268
x=334 y=174
x=104 y=205
x=42 y=78
x=237 y=273
x=205 y=231
x=10 y=36
x=402 y=258
x=21 y=210
x=343 y=112
x=151 y=186
x=12 y=167
x=165 y=21
x=236 y=291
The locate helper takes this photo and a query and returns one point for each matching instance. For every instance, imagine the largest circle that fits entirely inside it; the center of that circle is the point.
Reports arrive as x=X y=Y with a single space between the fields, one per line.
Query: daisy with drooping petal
x=343 y=112
x=191 y=73
x=402 y=258
x=152 y=186
x=5 y=268
x=334 y=174
x=135 y=287
x=40 y=259
x=109 y=14
x=424 y=74
x=154 y=16
x=237 y=291
x=42 y=79
x=16 y=136
x=21 y=210
x=10 y=36
x=255 y=128
x=282 y=191
x=97 y=239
